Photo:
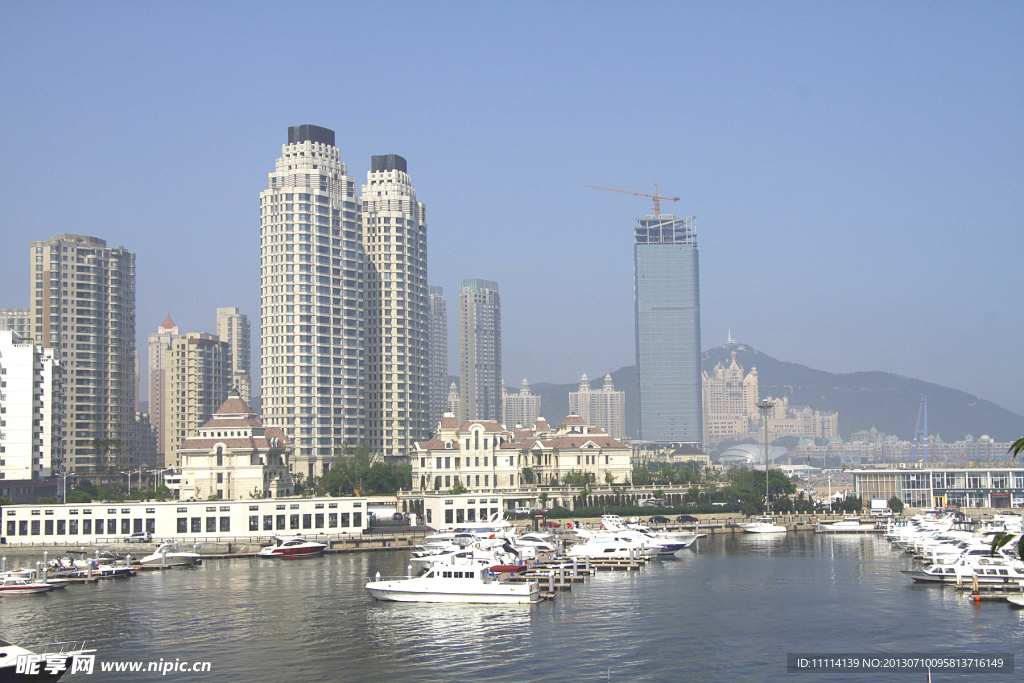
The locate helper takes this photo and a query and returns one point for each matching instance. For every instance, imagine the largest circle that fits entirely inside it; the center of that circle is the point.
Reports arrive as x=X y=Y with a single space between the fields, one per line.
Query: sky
x=856 y=169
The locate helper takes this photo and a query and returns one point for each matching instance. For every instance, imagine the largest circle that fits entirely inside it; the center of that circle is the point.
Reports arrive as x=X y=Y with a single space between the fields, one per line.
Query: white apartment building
x=31 y=409
x=234 y=330
x=312 y=278
x=83 y=307
x=233 y=456
x=197 y=382
x=520 y=409
x=397 y=308
x=605 y=408
x=438 y=363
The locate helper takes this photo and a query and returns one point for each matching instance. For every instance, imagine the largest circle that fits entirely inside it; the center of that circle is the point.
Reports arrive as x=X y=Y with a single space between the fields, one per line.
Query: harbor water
x=730 y=609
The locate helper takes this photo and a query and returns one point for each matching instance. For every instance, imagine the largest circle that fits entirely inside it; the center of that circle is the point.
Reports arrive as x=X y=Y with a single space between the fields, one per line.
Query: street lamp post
x=65 y=476
x=764 y=406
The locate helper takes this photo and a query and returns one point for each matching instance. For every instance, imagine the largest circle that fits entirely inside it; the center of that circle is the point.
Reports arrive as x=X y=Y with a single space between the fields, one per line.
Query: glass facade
x=667 y=291
x=965 y=488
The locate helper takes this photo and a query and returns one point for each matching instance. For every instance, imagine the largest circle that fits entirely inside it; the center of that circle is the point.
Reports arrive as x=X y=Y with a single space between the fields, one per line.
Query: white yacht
x=293 y=547
x=998 y=569
x=612 y=545
x=455 y=581
x=167 y=556
x=763 y=525
x=848 y=525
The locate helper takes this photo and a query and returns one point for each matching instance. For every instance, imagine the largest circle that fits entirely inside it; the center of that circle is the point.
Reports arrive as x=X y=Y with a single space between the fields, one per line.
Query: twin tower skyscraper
x=344 y=301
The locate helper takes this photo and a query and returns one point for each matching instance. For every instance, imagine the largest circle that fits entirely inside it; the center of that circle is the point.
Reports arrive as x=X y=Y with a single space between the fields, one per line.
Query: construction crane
x=657 y=197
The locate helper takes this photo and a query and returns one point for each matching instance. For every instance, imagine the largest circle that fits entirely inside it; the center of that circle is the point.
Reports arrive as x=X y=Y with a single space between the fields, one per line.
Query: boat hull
x=397 y=594
x=293 y=553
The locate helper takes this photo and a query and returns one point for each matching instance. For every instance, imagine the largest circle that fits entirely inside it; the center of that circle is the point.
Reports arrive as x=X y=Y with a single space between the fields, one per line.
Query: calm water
x=729 y=610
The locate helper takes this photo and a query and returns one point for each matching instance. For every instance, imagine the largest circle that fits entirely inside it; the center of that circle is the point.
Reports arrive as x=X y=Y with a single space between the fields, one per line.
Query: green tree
x=458 y=489
x=642 y=476
x=4 y=500
x=1016 y=448
x=529 y=476
x=609 y=478
x=896 y=505
x=45 y=500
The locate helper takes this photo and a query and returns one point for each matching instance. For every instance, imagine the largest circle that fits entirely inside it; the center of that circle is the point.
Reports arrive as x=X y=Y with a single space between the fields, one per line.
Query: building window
x=332 y=520
x=319 y=521
x=225 y=524
x=268 y=522
x=307 y=521
x=254 y=522
x=211 y=525
x=280 y=522
x=345 y=520
x=197 y=525
x=293 y=522
x=87 y=527
x=357 y=519
x=182 y=525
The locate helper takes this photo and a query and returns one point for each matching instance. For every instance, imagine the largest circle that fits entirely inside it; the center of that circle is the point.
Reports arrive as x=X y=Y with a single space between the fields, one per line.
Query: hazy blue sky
x=856 y=169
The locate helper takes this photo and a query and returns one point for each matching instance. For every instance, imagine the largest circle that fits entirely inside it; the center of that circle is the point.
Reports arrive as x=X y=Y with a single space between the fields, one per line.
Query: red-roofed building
x=234 y=456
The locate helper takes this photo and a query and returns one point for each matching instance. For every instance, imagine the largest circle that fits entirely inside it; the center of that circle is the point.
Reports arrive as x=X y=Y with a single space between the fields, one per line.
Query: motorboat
x=293 y=547
x=848 y=525
x=167 y=556
x=34 y=576
x=669 y=542
x=612 y=545
x=763 y=525
x=455 y=581
x=21 y=585
x=53 y=664
x=989 y=570
x=1017 y=600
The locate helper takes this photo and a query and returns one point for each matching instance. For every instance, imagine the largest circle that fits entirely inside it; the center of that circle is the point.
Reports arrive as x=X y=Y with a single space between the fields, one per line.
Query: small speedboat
x=20 y=585
x=293 y=547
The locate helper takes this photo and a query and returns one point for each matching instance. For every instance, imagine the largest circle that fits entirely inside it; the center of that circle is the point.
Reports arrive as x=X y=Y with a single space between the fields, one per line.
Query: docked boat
x=61 y=660
x=456 y=581
x=849 y=525
x=20 y=585
x=1016 y=600
x=293 y=547
x=167 y=556
x=612 y=545
x=763 y=525
x=990 y=570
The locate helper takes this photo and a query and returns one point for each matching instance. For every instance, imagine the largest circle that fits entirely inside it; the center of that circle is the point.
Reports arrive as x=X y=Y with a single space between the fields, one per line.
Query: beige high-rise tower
x=397 y=308
x=159 y=357
x=312 y=279
x=83 y=306
x=233 y=328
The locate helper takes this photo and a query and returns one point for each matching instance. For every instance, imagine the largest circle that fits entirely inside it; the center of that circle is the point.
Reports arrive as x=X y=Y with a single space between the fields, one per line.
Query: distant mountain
x=863 y=400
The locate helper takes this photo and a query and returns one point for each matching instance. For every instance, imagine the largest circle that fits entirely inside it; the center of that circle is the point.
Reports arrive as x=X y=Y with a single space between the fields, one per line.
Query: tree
x=1016 y=448
x=45 y=500
x=458 y=489
x=642 y=476
x=529 y=477
x=896 y=505
x=4 y=500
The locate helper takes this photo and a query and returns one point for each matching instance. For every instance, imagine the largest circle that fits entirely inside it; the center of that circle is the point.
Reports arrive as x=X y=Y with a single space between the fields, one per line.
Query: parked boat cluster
x=950 y=550
x=489 y=562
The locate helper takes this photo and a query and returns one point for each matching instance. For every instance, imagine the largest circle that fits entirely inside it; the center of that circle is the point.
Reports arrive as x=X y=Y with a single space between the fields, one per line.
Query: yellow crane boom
x=657 y=197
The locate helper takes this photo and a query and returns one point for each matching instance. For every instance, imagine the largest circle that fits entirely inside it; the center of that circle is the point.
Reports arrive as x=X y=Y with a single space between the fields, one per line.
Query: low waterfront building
x=445 y=511
x=234 y=456
x=918 y=485
x=186 y=522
